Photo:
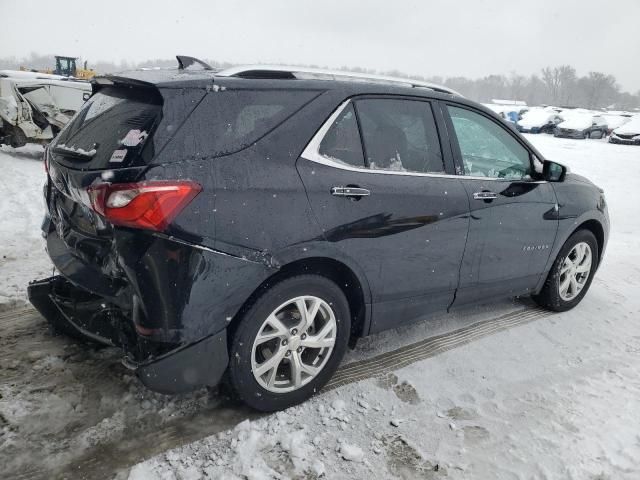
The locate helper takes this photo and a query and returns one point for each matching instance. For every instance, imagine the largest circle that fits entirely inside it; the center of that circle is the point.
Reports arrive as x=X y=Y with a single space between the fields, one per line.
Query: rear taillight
x=150 y=205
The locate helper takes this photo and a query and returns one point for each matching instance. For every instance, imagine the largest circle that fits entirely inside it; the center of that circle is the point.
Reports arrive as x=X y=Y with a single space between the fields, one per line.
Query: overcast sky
x=456 y=37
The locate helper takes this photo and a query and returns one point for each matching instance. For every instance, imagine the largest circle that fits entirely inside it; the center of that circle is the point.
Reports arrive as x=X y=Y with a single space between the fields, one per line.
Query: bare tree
x=551 y=79
x=560 y=82
x=598 y=89
x=556 y=85
x=517 y=86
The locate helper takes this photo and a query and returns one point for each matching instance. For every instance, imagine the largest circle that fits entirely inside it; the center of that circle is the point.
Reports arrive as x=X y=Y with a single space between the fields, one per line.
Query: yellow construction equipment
x=66 y=66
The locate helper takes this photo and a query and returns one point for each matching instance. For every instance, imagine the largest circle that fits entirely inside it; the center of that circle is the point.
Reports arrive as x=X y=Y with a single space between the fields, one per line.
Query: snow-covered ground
x=22 y=255
x=555 y=397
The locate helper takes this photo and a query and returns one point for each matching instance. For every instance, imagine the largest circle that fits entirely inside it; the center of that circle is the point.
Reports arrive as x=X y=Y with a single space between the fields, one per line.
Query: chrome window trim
x=312 y=154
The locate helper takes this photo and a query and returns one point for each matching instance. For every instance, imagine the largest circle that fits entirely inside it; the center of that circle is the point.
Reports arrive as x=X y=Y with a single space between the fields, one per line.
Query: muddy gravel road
x=72 y=410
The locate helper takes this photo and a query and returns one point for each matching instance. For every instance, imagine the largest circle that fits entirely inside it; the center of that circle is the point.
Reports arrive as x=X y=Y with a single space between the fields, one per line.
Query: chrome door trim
x=350 y=192
x=312 y=154
x=485 y=195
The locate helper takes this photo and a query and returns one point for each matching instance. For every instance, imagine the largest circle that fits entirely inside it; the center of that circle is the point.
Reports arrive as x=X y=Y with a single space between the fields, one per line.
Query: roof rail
x=290 y=72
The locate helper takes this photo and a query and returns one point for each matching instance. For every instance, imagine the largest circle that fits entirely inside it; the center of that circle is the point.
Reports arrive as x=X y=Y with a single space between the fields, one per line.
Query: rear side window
x=112 y=129
x=400 y=135
x=234 y=119
x=342 y=141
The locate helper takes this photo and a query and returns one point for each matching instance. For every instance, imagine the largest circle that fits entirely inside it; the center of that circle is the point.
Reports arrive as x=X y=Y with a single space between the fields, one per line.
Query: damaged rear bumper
x=162 y=367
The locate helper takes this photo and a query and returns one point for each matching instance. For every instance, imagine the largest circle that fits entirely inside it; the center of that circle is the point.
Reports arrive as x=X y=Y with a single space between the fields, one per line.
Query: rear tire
x=556 y=295
x=272 y=331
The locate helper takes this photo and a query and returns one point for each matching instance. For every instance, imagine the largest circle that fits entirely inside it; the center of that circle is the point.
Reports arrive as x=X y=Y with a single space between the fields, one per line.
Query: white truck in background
x=34 y=107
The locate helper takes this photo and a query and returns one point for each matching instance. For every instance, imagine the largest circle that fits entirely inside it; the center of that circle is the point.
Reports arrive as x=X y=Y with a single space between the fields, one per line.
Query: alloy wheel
x=575 y=271
x=293 y=344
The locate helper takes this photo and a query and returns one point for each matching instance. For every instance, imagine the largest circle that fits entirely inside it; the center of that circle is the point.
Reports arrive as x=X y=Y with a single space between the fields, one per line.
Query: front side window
x=342 y=141
x=400 y=135
x=487 y=149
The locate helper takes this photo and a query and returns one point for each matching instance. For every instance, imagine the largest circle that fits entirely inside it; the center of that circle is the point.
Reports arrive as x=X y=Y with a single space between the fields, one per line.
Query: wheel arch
x=595 y=227
x=352 y=285
x=589 y=221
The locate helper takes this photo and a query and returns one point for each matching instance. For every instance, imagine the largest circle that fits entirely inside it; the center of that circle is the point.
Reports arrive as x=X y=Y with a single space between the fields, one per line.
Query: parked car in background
x=615 y=120
x=629 y=133
x=34 y=107
x=538 y=120
x=253 y=222
x=510 y=112
x=582 y=125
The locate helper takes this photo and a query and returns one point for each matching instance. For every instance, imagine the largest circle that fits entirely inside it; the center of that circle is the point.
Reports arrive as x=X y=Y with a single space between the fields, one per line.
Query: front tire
x=571 y=273
x=289 y=343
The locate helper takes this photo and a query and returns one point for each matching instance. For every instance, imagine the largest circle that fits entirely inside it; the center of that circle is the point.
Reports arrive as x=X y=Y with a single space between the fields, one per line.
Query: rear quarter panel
x=252 y=216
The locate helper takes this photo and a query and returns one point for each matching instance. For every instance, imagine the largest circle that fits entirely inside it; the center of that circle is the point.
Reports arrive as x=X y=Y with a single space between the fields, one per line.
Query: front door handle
x=352 y=192
x=485 y=195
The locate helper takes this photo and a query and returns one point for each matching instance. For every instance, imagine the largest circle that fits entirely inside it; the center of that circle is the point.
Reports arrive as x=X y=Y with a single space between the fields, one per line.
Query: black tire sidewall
x=241 y=377
x=552 y=295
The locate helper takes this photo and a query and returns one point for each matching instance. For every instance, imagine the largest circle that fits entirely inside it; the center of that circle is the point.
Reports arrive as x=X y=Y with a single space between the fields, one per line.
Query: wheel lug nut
x=284 y=342
x=288 y=353
x=303 y=336
x=294 y=331
x=299 y=350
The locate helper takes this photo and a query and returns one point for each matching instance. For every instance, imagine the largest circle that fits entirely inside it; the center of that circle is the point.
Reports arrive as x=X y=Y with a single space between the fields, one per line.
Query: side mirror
x=553 y=172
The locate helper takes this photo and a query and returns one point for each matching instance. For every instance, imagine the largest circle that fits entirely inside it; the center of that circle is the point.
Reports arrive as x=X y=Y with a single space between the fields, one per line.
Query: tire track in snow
x=404 y=356
x=106 y=458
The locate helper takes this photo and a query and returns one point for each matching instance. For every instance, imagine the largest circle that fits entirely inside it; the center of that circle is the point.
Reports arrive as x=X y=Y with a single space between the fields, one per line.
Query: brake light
x=150 y=205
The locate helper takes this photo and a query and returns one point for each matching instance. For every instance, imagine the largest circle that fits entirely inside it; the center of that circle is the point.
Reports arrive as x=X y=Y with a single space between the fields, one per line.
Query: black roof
x=270 y=76
x=176 y=78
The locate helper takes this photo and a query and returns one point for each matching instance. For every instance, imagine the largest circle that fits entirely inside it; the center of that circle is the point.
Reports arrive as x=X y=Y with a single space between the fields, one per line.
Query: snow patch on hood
x=630 y=128
x=615 y=121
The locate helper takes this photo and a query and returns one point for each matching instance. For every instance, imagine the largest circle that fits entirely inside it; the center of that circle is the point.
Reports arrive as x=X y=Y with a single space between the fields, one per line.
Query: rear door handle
x=354 y=192
x=485 y=196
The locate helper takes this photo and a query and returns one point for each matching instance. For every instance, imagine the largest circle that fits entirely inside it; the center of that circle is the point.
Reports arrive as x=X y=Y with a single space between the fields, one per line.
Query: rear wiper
x=75 y=152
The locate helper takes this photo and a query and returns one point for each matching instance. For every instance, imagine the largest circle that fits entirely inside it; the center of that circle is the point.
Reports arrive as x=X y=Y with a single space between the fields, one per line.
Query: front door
x=389 y=201
x=513 y=214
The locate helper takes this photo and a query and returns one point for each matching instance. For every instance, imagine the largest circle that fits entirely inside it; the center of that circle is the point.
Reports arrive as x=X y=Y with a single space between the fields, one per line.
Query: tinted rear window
x=342 y=141
x=112 y=129
x=229 y=120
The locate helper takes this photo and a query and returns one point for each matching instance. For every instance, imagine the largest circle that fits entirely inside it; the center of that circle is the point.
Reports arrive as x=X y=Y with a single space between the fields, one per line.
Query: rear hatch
x=112 y=130
x=110 y=141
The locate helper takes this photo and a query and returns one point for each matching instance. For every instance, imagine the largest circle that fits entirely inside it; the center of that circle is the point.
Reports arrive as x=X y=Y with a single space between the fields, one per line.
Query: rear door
x=390 y=201
x=513 y=216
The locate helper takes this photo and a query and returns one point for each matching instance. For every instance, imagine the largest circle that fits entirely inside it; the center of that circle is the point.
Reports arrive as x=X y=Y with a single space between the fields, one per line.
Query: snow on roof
x=30 y=75
x=498 y=101
x=536 y=117
x=578 y=120
x=21 y=78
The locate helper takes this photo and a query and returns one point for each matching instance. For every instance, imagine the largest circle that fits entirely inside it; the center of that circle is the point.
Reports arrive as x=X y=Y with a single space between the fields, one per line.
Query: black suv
x=252 y=223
